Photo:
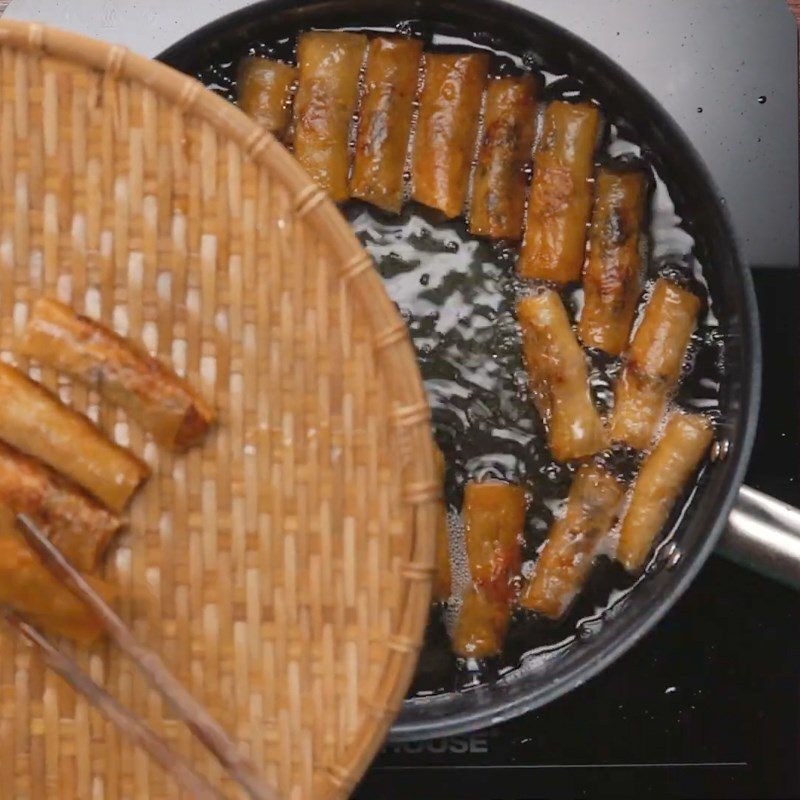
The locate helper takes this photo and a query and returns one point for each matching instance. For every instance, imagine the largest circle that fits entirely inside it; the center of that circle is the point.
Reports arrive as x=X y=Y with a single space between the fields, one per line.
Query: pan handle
x=763 y=534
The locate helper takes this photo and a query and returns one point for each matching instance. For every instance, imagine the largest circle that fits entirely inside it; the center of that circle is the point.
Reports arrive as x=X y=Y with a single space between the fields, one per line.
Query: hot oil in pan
x=457 y=294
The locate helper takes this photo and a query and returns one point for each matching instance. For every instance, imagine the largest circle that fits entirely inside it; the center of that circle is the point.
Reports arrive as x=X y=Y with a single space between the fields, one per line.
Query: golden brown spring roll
x=28 y=587
x=36 y=422
x=387 y=106
x=560 y=202
x=123 y=373
x=559 y=377
x=497 y=206
x=447 y=127
x=481 y=626
x=75 y=523
x=565 y=562
x=329 y=65
x=265 y=93
x=612 y=280
x=662 y=479
x=653 y=367
x=442 y=580
x=494 y=517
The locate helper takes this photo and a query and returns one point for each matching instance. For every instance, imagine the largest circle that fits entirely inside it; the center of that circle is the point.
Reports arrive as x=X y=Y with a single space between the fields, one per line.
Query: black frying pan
x=572 y=659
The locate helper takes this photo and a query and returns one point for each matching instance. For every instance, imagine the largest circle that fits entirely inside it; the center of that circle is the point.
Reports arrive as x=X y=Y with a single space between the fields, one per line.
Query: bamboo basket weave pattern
x=283 y=568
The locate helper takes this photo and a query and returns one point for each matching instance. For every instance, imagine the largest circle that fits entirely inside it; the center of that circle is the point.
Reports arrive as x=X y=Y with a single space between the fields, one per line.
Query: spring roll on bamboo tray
x=653 y=367
x=387 y=106
x=444 y=141
x=559 y=377
x=497 y=206
x=662 y=479
x=329 y=64
x=36 y=422
x=494 y=518
x=565 y=562
x=121 y=371
x=28 y=587
x=75 y=523
x=612 y=279
x=265 y=93
x=442 y=579
x=560 y=201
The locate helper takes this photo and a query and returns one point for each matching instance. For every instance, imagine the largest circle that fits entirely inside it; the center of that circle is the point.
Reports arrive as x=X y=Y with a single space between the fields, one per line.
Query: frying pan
x=761 y=532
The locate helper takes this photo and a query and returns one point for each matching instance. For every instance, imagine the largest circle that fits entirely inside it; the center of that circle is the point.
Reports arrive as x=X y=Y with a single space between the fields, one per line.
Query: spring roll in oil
x=661 y=481
x=266 y=88
x=592 y=511
x=481 y=626
x=559 y=377
x=560 y=202
x=612 y=279
x=444 y=141
x=75 y=523
x=653 y=366
x=494 y=519
x=36 y=422
x=497 y=205
x=329 y=66
x=387 y=107
x=124 y=373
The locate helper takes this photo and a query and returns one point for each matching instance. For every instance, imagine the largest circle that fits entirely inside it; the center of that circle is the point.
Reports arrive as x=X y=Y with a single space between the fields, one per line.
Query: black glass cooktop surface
x=706 y=706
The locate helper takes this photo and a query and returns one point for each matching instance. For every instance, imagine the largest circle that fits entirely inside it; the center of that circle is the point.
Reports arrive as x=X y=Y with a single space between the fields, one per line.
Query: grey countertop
x=725 y=69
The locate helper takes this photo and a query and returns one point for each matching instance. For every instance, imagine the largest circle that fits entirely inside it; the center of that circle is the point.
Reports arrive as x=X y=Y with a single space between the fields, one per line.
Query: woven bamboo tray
x=282 y=569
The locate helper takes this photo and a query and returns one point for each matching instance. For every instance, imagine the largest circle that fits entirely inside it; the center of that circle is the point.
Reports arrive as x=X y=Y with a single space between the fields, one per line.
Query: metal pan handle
x=763 y=534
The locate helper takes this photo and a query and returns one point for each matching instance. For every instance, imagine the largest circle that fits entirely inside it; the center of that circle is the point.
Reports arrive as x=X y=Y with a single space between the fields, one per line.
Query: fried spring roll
x=653 y=366
x=560 y=202
x=497 y=206
x=612 y=279
x=36 y=422
x=329 y=65
x=565 y=562
x=494 y=516
x=481 y=626
x=265 y=93
x=124 y=373
x=442 y=580
x=559 y=377
x=661 y=481
x=28 y=587
x=390 y=85
x=75 y=523
x=447 y=127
